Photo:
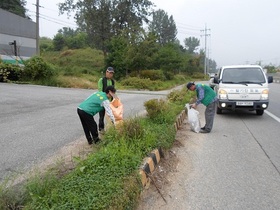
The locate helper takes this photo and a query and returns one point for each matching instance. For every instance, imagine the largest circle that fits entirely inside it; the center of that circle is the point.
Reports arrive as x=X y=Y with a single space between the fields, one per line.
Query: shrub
x=36 y=69
x=142 y=84
x=131 y=129
x=9 y=72
x=155 y=108
x=178 y=96
x=152 y=75
x=198 y=75
x=169 y=75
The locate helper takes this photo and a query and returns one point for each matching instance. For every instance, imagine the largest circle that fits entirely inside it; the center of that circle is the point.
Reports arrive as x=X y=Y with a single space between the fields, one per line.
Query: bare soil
x=63 y=160
x=175 y=166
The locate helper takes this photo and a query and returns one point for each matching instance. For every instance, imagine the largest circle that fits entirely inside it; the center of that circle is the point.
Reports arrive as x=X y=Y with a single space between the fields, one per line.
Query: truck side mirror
x=216 y=80
x=270 y=79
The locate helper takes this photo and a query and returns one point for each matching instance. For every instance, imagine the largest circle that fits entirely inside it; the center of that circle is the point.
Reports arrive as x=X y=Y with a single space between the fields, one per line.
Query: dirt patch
x=174 y=167
x=63 y=160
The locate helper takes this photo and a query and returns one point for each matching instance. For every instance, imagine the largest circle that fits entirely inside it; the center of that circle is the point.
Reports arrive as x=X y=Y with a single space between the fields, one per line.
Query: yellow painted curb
x=149 y=165
x=150 y=162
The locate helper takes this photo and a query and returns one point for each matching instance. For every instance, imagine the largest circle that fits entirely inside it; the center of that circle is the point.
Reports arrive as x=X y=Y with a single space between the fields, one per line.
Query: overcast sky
x=238 y=31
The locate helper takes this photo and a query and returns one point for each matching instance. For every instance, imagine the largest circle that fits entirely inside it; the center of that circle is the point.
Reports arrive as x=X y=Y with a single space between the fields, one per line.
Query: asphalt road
x=35 y=121
x=236 y=166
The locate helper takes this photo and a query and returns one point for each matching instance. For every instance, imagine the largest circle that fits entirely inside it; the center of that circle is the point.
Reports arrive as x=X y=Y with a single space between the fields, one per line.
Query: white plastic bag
x=193 y=118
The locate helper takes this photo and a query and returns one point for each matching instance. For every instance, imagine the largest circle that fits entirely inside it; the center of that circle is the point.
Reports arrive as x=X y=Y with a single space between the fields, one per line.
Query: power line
x=188 y=26
x=54 y=20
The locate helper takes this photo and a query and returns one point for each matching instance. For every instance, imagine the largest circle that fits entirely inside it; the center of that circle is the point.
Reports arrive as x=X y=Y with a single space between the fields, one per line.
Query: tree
x=14 y=6
x=58 y=42
x=46 y=44
x=70 y=38
x=77 y=41
x=73 y=39
x=66 y=31
x=163 y=26
x=170 y=58
x=191 y=44
x=212 y=66
x=103 y=19
x=270 y=68
x=117 y=56
x=143 y=55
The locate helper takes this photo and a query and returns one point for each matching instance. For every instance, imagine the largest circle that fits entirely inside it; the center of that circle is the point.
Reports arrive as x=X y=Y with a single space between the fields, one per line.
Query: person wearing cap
x=206 y=96
x=102 y=84
x=95 y=103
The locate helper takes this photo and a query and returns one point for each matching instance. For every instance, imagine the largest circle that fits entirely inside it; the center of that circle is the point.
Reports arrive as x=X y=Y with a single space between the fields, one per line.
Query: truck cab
x=243 y=87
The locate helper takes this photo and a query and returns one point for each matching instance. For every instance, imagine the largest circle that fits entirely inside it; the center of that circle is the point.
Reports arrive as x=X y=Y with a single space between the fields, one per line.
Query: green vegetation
x=82 y=68
x=15 y=6
x=152 y=60
x=9 y=72
x=109 y=177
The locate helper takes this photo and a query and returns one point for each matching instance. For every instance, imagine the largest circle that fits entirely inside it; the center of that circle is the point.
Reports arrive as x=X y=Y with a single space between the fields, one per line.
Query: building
x=17 y=37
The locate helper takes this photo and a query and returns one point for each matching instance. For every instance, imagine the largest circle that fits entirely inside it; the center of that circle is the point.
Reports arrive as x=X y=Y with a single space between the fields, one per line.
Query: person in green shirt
x=206 y=96
x=94 y=104
x=102 y=84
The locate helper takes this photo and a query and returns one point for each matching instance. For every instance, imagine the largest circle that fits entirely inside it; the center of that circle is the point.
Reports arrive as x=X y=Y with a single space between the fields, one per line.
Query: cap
x=110 y=69
x=190 y=84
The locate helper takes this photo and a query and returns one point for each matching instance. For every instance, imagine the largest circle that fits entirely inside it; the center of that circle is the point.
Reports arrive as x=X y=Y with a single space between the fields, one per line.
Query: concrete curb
x=180 y=119
x=149 y=165
x=150 y=162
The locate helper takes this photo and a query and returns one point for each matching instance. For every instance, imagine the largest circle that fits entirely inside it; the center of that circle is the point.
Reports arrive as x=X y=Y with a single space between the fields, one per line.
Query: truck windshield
x=240 y=75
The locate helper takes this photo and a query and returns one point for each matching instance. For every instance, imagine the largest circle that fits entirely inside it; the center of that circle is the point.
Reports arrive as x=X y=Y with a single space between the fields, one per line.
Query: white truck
x=243 y=87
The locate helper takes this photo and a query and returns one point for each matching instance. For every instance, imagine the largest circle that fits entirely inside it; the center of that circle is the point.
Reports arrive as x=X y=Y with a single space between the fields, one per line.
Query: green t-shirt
x=92 y=105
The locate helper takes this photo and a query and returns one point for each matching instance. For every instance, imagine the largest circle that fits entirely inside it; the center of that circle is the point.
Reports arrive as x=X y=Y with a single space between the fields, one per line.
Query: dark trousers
x=89 y=125
x=101 y=119
x=209 y=116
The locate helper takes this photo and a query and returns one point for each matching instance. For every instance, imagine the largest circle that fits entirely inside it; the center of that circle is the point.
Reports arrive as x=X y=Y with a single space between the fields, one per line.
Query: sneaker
x=203 y=128
x=97 y=140
x=90 y=142
x=102 y=131
x=204 y=131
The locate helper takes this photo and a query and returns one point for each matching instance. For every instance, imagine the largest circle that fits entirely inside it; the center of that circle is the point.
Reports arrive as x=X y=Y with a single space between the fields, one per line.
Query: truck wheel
x=259 y=112
x=219 y=111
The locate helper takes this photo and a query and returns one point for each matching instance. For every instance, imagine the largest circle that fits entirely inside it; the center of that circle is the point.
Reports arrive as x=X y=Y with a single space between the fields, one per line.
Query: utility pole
x=15 y=49
x=205 y=49
x=37 y=28
x=15 y=46
x=208 y=62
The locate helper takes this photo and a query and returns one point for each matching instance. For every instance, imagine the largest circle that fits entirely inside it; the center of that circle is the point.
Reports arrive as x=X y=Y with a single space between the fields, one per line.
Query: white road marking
x=272 y=115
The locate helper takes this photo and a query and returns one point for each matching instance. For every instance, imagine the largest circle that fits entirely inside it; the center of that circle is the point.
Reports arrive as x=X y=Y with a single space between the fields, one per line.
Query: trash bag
x=117 y=108
x=193 y=118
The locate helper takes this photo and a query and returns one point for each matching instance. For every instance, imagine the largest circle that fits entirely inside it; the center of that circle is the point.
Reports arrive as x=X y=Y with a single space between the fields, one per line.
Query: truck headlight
x=222 y=94
x=264 y=95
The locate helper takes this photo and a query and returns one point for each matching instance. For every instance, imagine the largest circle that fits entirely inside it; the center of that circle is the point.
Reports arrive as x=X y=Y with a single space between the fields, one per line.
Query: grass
x=82 y=68
x=109 y=177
